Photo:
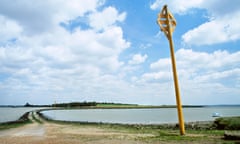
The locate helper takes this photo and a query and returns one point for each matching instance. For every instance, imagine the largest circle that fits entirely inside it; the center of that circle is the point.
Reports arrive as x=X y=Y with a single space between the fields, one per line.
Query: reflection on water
x=140 y=116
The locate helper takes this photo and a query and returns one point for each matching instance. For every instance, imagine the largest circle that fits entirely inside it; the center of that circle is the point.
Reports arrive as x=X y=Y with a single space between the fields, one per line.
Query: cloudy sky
x=114 y=51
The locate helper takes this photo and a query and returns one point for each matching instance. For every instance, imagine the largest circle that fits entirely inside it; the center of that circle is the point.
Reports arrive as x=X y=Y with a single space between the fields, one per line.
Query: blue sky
x=114 y=51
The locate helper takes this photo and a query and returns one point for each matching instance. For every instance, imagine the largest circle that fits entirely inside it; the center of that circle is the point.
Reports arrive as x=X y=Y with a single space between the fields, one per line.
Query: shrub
x=228 y=123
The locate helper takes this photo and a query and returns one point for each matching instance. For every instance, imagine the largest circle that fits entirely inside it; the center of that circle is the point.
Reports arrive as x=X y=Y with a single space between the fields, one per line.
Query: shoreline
x=45 y=131
x=114 y=105
x=196 y=125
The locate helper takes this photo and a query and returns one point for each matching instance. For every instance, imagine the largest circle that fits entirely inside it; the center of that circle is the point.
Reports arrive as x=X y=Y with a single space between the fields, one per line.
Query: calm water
x=140 y=116
x=12 y=114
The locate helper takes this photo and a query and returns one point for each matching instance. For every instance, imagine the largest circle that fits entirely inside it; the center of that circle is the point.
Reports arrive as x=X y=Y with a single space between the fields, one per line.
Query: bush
x=228 y=123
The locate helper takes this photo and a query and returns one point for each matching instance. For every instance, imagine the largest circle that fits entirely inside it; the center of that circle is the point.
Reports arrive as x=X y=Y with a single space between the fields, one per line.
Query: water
x=140 y=116
x=12 y=114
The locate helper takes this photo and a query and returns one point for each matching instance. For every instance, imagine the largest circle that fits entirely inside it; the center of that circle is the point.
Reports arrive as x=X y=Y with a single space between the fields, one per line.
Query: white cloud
x=221 y=27
x=156 y=76
x=106 y=18
x=219 y=30
x=45 y=62
x=185 y=6
x=51 y=61
x=9 y=30
x=187 y=58
x=177 y=6
x=232 y=74
x=43 y=16
x=200 y=74
x=163 y=63
x=138 y=59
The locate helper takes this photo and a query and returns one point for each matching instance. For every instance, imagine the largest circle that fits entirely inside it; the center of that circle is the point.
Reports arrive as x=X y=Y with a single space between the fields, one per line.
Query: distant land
x=113 y=105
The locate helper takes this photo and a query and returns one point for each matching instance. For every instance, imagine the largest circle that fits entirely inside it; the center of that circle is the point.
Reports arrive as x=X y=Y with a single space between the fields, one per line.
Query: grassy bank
x=228 y=123
x=199 y=132
x=103 y=105
x=196 y=132
x=116 y=105
x=223 y=123
x=9 y=125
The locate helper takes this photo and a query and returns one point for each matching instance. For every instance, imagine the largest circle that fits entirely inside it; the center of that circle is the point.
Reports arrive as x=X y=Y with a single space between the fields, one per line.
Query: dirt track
x=51 y=133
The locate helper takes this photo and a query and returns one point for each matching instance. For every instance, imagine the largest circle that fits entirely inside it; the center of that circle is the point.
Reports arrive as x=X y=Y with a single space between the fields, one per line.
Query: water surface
x=140 y=116
x=13 y=113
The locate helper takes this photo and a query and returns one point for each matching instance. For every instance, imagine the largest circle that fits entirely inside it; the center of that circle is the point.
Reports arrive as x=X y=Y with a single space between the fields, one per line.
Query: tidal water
x=13 y=113
x=141 y=116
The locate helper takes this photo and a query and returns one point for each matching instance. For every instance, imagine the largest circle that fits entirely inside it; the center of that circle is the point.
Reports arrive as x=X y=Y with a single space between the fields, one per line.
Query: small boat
x=216 y=114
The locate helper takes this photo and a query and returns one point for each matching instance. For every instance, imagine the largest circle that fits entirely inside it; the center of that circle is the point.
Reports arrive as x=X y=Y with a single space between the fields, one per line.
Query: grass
x=102 y=105
x=127 y=106
x=160 y=133
x=228 y=123
x=8 y=126
x=169 y=135
x=157 y=133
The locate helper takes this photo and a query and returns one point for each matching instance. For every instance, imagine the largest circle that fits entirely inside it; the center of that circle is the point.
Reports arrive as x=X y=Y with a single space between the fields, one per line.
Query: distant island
x=86 y=104
x=98 y=105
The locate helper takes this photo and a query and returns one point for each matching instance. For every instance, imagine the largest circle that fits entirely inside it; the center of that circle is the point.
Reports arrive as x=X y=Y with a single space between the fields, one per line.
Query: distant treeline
x=75 y=104
x=113 y=105
x=71 y=104
x=31 y=105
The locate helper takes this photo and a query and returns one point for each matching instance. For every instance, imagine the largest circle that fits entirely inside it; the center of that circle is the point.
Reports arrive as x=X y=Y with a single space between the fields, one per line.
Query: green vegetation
x=228 y=123
x=4 y=126
x=198 y=132
x=103 y=105
x=120 y=105
x=115 y=105
x=157 y=133
x=31 y=105
x=93 y=104
x=75 y=104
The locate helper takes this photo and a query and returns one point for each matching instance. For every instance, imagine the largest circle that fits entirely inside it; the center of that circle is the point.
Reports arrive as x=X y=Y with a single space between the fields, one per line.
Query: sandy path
x=27 y=130
x=34 y=129
x=51 y=133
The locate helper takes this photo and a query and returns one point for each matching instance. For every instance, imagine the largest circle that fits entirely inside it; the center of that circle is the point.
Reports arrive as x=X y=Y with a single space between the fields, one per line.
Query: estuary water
x=13 y=113
x=140 y=116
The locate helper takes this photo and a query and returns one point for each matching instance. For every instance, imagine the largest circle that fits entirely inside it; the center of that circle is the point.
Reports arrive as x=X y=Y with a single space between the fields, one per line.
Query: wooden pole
x=174 y=68
x=168 y=30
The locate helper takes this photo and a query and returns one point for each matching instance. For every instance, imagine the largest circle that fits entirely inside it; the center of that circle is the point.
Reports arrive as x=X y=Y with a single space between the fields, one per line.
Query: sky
x=113 y=51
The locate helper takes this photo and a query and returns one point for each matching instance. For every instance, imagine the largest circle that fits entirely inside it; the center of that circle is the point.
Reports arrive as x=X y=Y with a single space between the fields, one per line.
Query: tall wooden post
x=167 y=23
